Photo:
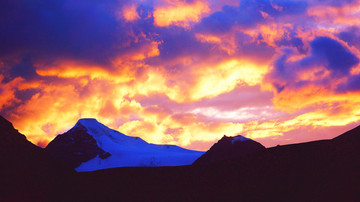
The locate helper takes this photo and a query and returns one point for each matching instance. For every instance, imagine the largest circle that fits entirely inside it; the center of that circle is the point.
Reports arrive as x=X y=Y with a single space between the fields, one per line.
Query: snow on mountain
x=124 y=151
x=239 y=138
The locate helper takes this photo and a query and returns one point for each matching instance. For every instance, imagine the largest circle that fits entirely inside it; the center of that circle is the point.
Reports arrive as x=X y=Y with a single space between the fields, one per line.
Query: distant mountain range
x=90 y=146
x=326 y=170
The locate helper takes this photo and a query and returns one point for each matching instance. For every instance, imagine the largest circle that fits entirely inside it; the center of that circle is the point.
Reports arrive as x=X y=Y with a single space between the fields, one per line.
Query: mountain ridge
x=90 y=145
x=325 y=170
x=75 y=147
x=27 y=171
x=229 y=147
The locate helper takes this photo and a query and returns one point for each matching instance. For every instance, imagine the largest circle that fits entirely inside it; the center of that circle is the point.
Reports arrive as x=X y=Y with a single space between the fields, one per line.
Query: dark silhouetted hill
x=228 y=148
x=75 y=147
x=327 y=170
x=27 y=173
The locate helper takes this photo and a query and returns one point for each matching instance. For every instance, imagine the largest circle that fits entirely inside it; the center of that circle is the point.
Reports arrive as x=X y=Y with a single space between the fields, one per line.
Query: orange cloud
x=180 y=13
x=215 y=80
x=342 y=115
x=122 y=69
x=67 y=90
x=7 y=96
x=159 y=132
x=204 y=82
x=313 y=74
x=57 y=108
x=347 y=15
x=292 y=100
x=208 y=38
x=69 y=69
x=272 y=33
x=129 y=13
x=355 y=70
x=223 y=43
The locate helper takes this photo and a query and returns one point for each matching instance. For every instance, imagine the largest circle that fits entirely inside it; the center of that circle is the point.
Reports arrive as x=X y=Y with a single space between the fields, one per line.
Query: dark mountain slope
x=326 y=170
x=27 y=172
x=228 y=148
x=75 y=147
x=90 y=145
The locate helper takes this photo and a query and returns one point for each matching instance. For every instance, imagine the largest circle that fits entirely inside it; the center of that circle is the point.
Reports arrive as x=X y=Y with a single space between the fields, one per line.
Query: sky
x=184 y=72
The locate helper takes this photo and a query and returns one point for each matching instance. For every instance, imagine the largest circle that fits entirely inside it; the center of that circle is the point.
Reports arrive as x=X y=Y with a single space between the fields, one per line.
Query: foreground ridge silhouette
x=228 y=148
x=27 y=172
x=326 y=170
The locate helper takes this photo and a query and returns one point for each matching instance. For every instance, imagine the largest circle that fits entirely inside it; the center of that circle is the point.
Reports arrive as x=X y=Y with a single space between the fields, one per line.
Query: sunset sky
x=182 y=72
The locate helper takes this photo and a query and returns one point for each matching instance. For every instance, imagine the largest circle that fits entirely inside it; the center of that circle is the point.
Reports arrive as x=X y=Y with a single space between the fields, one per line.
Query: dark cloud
x=219 y=22
x=336 y=3
x=325 y=52
x=329 y=52
x=248 y=14
x=283 y=72
x=145 y=13
x=223 y=21
x=92 y=33
x=84 y=30
x=293 y=41
x=22 y=96
x=351 y=36
x=24 y=69
x=253 y=49
x=275 y=8
x=177 y=43
x=352 y=84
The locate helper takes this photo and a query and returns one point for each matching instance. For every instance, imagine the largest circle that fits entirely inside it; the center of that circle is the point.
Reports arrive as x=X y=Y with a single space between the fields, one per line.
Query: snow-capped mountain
x=90 y=146
x=229 y=147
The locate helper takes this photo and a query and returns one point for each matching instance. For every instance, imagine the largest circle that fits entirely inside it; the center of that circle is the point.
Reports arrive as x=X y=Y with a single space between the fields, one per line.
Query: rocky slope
x=27 y=172
x=90 y=146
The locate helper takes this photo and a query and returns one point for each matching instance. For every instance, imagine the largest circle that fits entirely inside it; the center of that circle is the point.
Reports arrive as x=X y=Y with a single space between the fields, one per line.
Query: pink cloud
x=183 y=72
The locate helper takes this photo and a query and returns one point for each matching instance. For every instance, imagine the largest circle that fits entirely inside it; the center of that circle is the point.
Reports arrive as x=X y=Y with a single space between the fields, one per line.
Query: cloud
x=352 y=84
x=328 y=61
x=180 y=13
x=129 y=12
x=68 y=30
x=181 y=72
x=7 y=92
x=335 y=56
x=351 y=36
x=249 y=14
x=25 y=69
x=320 y=79
x=330 y=13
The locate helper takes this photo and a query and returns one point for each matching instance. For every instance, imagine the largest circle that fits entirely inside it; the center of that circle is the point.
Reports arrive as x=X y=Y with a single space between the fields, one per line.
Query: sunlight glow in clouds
x=182 y=72
x=180 y=13
x=130 y=13
x=213 y=81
